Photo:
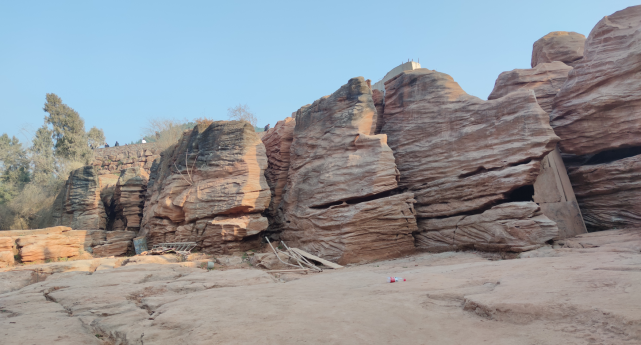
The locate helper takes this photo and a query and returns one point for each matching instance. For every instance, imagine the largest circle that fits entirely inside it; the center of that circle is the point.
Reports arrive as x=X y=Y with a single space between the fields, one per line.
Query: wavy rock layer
x=79 y=204
x=278 y=142
x=558 y=46
x=456 y=152
x=461 y=155
x=128 y=199
x=599 y=107
x=546 y=79
x=609 y=194
x=516 y=226
x=211 y=172
x=338 y=201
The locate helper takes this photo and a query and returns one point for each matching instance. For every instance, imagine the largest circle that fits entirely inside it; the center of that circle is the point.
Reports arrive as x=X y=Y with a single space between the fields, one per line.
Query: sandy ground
x=556 y=296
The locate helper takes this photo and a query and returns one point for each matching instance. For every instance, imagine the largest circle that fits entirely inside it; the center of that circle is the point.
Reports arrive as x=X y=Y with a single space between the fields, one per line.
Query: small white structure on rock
x=407 y=66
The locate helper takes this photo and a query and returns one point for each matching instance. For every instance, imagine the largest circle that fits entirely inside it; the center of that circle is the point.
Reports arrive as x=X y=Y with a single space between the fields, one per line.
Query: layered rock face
x=546 y=79
x=79 y=204
x=461 y=155
x=552 y=189
x=597 y=114
x=206 y=186
x=61 y=242
x=128 y=199
x=278 y=141
x=609 y=194
x=599 y=107
x=558 y=46
x=338 y=201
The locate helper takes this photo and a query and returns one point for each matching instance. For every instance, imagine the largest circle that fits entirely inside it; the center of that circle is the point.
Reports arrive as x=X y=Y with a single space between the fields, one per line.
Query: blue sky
x=120 y=63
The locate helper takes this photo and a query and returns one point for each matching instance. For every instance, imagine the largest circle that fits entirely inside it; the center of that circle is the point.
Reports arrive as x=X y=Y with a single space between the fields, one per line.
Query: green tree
x=43 y=162
x=14 y=167
x=68 y=130
x=96 y=137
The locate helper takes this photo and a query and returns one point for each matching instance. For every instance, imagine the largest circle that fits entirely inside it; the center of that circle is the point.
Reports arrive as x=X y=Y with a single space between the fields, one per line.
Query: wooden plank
x=292 y=270
x=316 y=258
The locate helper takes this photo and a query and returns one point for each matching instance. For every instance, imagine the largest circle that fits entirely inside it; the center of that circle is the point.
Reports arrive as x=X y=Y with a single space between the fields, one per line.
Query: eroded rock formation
x=546 y=79
x=461 y=155
x=597 y=114
x=338 y=201
x=206 y=186
x=128 y=199
x=79 y=204
x=558 y=46
x=609 y=193
x=599 y=107
x=278 y=141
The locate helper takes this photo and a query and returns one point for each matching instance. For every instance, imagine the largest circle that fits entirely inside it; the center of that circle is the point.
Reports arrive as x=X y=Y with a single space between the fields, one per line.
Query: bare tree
x=241 y=112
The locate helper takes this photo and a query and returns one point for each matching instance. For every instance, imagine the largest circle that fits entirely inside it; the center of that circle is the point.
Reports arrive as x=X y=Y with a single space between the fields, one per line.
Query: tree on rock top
x=241 y=112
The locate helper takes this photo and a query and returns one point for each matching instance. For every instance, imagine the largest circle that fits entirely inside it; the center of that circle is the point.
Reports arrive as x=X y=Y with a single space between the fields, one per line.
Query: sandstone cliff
x=79 y=204
x=128 y=199
x=461 y=155
x=339 y=201
x=561 y=46
x=209 y=188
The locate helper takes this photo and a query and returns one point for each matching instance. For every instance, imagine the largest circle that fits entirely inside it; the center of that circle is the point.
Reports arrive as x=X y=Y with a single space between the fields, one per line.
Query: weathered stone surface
x=554 y=194
x=546 y=79
x=609 y=193
x=79 y=204
x=7 y=247
x=599 y=106
x=278 y=141
x=336 y=203
x=212 y=171
x=515 y=226
x=558 y=46
x=378 y=97
x=456 y=152
x=117 y=243
x=460 y=155
x=128 y=199
x=53 y=243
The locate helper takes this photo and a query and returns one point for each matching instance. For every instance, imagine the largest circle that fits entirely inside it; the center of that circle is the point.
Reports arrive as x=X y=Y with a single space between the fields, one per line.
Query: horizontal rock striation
x=278 y=142
x=79 y=204
x=599 y=107
x=546 y=79
x=211 y=172
x=609 y=193
x=461 y=155
x=339 y=200
x=515 y=226
x=561 y=46
x=128 y=199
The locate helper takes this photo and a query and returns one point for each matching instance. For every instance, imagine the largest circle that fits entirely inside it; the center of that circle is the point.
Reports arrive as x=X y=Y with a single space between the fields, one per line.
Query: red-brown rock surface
x=558 y=46
x=609 y=194
x=460 y=155
x=79 y=204
x=599 y=107
x=337 y=202
x=116 y=243
x=128 y=199
x=212 y=171
x=546 y=79
x=515 y=226
x=278 y=141
x=378 y=97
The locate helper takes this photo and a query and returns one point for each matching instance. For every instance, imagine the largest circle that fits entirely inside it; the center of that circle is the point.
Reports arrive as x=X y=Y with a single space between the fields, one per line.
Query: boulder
x=54 y=243
x=278 y=141
x=213 y=171
x=128 y=199
x=340 y=200
x=7 y=246
x=117 y=243
x=515 y=226
x=599 y=106
x=609 y=193
x=461 y=155
x=79 y=204
x=558 y=46
x=546 y=79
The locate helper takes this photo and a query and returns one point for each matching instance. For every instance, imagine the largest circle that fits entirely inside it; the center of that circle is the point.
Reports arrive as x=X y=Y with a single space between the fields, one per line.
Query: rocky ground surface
x=585 y=293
